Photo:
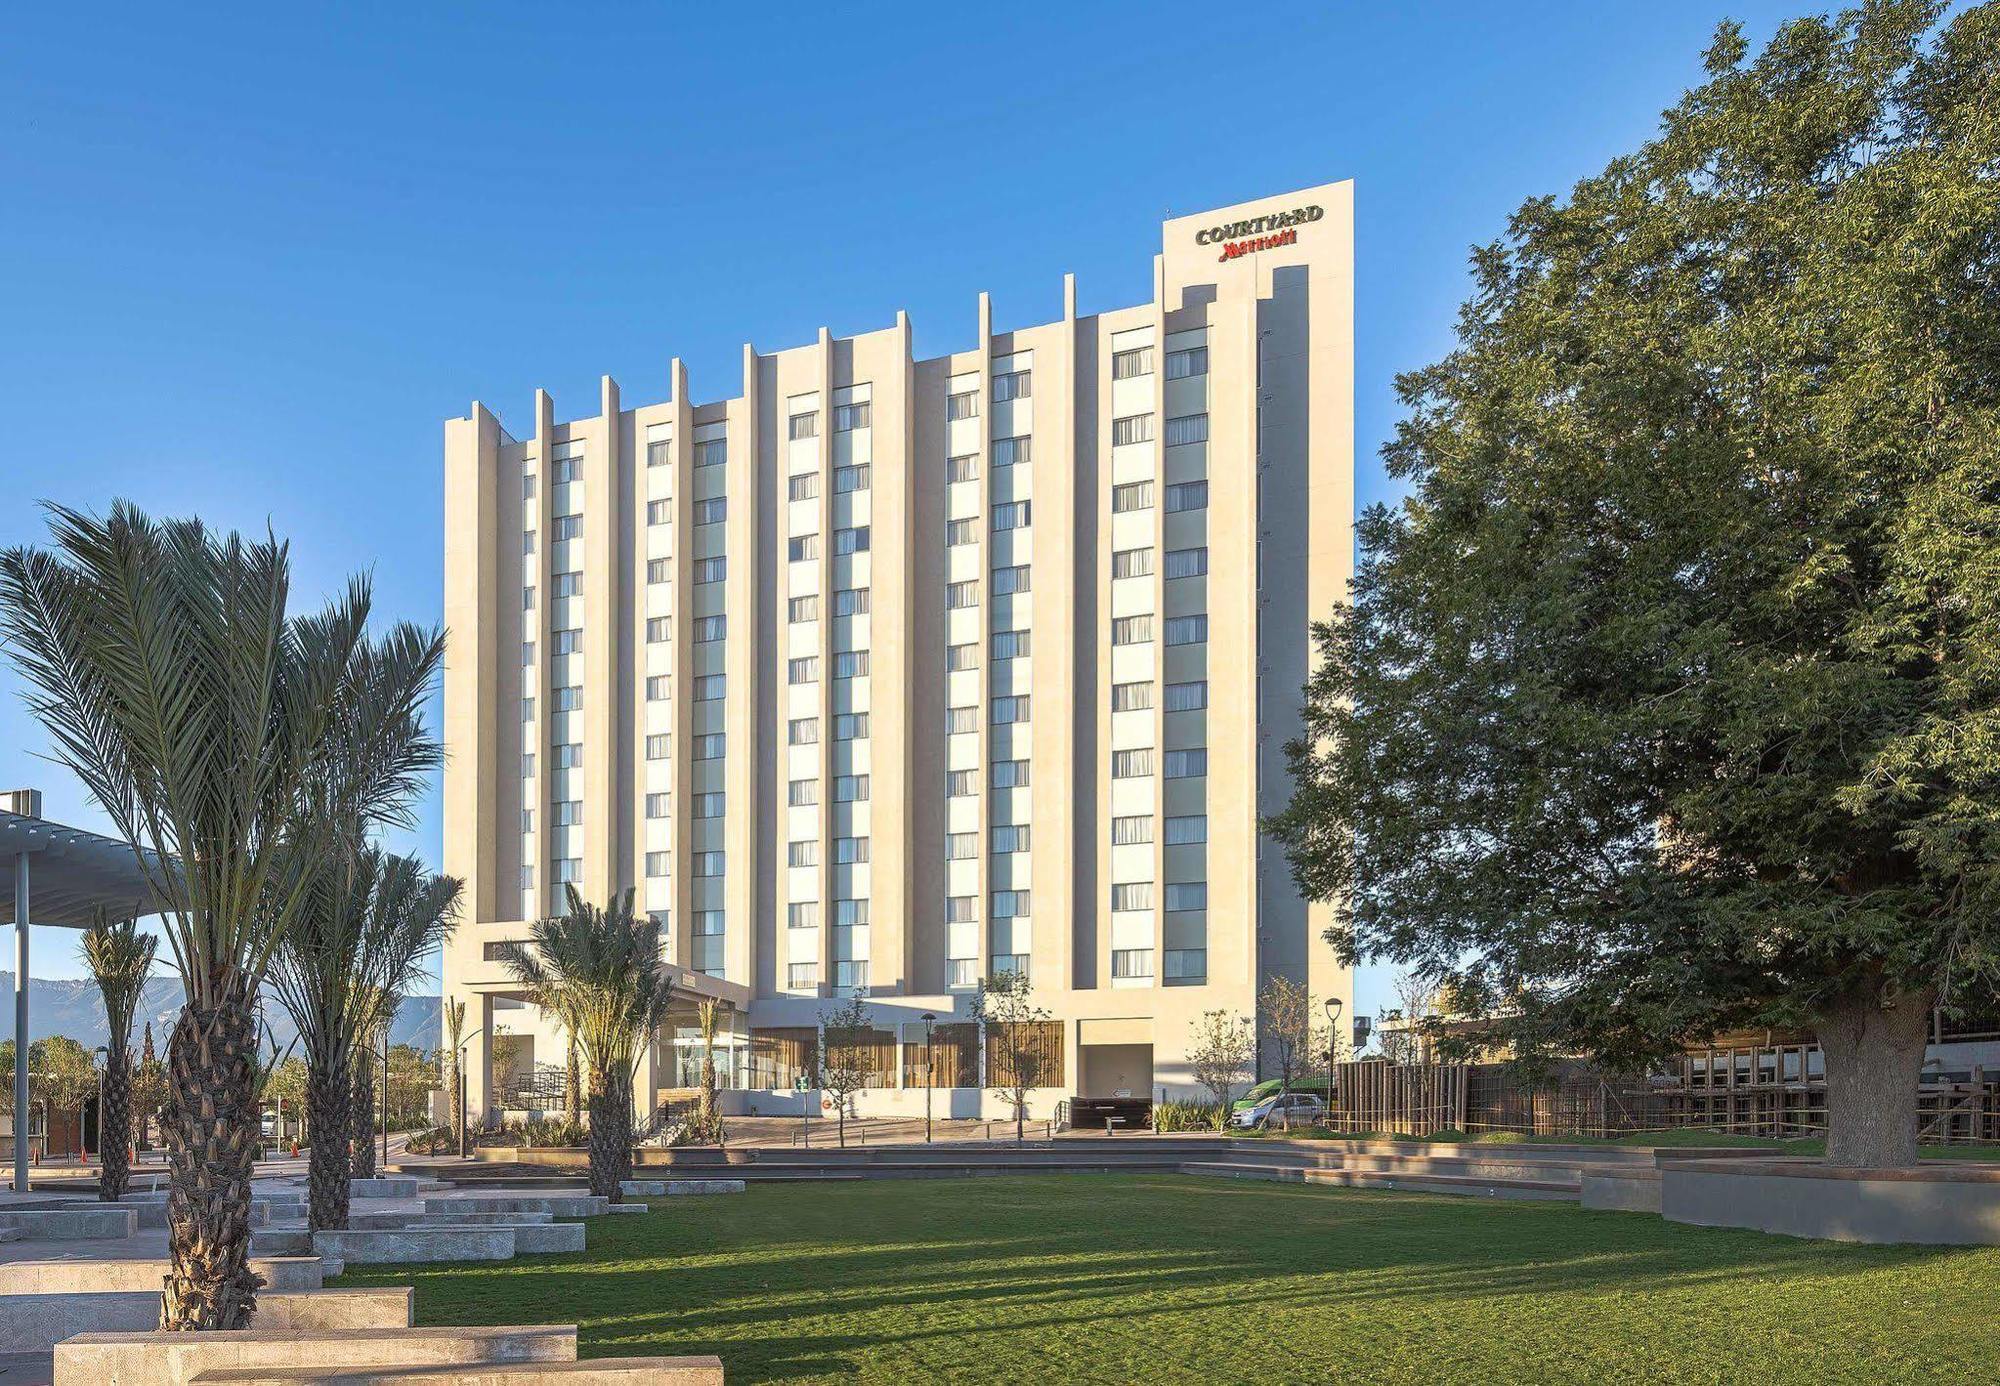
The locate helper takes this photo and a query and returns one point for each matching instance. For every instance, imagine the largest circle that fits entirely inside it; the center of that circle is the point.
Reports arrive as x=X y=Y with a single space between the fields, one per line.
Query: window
x=802 y=914
x=961 y=719
x=804 y=486
x=1008 y=452
x=528 y=487
x=1127 y=364
x=1010 y=774
x=569 y=812
x=527 y=709
x=659 y=569
x=527 y=820
x=959 y=784
x=1132 y=895
x=958 y=909
x=712 y=511
x=804 y=669
x=848 y=417
x=802 y=731
x=527 y=541
x=852 y=976
x=1183 y=563
x=657 y=687
x=708 y=570
x=527 y=599
x=958 y=658
x=1133 y=495
x=659 y=512
x=569 y=584
x=656 y=452
x=802 y=548
x=961 y=595
x=1137 y=828
x=1187 y=697
x=1131 y=962
x=569 y=755
x=709 y=629
x=1131 y=765
x=1134 y=428
x=849 y=789
x=527 y=764
x=710 y=745
x=708 y=864
x=850 y=726
x=708 y=923
x=961 y=846
x=710 y=688
x=566 y=527
x=802 y=793
x=1131 y=697
x=846 y=541
x=803 y=426
x=1186 y=495
x=1183 y=765
x=851 y=601
x=659 y=629
x=1182 y=364
x=1011 y=515
x=1187 y=964
x=854 y=478
x=569 y=641
x=1012 y=709
x=964 y=468
x=1010 y=644
x=1009 y=904
x=962 y=972
x=801 y=976
x=656 y=806
x=1131 y=563
x=569 y=697
x=1186 y=829
x=1187 y=630
x=1010 y=837
x=802 y=609
x=1013 y=385
x=656 y=746
x=527 y=652
x=565 y=870
x=1008 y=581
x=1187 y=895
x=1132 y=630
x=1189 y=428
x=957 y=532
x=804 y=852
x=848 y=851
x=657 y=863
x=567 y=469
x=964 y=405
x=850 y=664
x=711 y=452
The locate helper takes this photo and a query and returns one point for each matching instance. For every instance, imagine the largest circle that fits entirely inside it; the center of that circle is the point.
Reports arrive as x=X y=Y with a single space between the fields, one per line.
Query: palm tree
x=205 y=720
x=361 y=1112
x=708 y=1112
x=120 y=959
x=372 y=920
x=454 y=1037
x=600 y=970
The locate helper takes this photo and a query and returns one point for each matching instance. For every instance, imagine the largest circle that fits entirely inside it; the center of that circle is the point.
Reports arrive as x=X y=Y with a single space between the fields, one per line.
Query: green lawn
x=1157 y=1278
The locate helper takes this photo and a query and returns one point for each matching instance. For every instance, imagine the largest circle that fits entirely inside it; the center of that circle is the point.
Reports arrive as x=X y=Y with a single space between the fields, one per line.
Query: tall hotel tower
x=884 y=675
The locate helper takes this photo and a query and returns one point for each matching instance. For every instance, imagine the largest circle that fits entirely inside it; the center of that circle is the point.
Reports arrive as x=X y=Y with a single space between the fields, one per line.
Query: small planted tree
x=601 y=970
x=1017 y=1051
x=452 y=1013
x=847 y=1054
x=1221 y=1050
x=1294 y=1043
x=120 y=959
x=708 y=1110
x=149 y=1089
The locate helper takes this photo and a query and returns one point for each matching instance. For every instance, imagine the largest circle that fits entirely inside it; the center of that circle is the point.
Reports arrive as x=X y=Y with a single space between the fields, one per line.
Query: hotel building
x=883 y=674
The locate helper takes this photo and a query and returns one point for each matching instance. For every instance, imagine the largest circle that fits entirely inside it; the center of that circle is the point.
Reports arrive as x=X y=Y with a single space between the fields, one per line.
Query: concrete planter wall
x=1934 y=1203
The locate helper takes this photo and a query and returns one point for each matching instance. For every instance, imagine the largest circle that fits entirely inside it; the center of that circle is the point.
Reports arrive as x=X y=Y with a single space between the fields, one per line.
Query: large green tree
x=1669 y=700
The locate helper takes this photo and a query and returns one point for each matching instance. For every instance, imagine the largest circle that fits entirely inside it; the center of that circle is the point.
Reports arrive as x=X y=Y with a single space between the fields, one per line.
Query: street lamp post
x=463 y=1133
x=930 y=1069
x=106 y=1052
x=1333 y=1007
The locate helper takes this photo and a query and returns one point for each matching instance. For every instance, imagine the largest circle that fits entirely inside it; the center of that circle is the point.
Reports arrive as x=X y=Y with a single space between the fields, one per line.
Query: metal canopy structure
x=53 y=874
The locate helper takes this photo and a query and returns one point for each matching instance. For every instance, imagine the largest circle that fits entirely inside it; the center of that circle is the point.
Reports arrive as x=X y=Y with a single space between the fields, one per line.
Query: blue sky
x=251 y=261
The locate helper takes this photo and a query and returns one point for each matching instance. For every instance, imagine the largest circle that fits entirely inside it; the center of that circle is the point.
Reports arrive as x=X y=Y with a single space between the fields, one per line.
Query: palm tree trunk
x=610 y=1136
x=210 y=1124
x=114 y=1127
x=363 y=1117
x=329 y=1088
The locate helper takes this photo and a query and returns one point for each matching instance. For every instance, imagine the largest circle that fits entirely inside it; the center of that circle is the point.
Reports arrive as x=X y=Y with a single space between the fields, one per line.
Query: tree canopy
x=1669 y=700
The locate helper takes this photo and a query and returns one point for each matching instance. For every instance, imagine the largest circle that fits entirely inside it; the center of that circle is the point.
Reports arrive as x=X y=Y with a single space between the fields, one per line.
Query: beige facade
x=888 y=673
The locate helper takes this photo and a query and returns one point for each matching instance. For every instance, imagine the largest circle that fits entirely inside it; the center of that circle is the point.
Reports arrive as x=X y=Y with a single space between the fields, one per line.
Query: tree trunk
x=329 y=1088
x=363 y=1117
x=114 y=1128
x=210 y=1124
x=573 y=1088
x=1874 y=1046
x=451 y=1082
x=610 y=1137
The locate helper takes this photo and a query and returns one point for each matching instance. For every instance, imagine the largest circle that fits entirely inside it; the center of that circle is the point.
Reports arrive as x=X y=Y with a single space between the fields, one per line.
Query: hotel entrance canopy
x=59 y=876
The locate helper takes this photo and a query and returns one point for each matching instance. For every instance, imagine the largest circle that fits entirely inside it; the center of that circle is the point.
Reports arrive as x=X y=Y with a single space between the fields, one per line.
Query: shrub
x=434 y=1140
x=1187 y=1116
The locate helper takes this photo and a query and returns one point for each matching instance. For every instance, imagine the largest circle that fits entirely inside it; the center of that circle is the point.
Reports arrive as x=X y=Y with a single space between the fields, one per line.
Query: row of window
x=803 y=976
x=1137 y=829
x=1181 y=896
x=847 y=851
x=805 y=486
x=847 y=914
x=1181 y=563
x=1139 y=361
x=1176 y=765
x=846 y=789
x=1180 y=630
x=847 y=726
x=847 y=664
x=1138 y=495
x=1006 y=774
x=802 y=548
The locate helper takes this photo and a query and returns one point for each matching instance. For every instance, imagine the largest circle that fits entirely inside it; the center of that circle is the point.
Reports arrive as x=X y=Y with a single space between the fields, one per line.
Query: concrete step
x=1367 y=1179
x=105 y=1221
x=91 y=1275
x=595 y=1371
x=558 y=1205
x=37 y=1322
x=530 y=1238
x=10 y=1234
x=152 y=1209
x=393 y=1246
x=384 y=1186
x=176 y=1359
x=677 y=1188
x=370 y=1221
x=1498 y=1167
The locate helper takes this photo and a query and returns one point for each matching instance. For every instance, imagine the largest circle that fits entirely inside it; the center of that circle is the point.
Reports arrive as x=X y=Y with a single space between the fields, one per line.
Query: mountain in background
x=71 y=1006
